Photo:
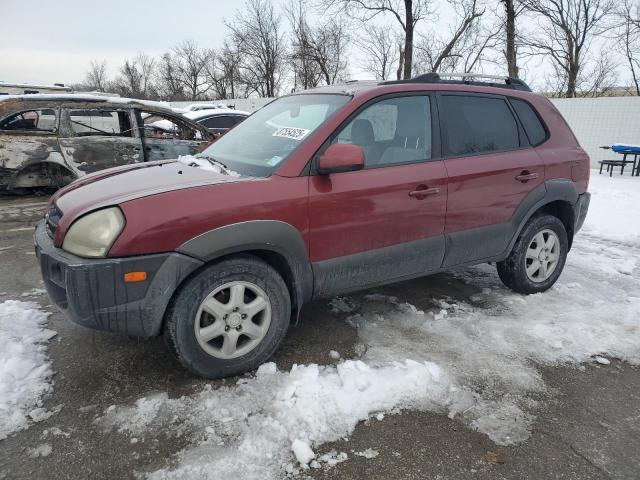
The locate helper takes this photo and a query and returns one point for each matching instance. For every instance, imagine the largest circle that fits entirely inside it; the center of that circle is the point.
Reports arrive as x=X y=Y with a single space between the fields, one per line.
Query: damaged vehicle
x=317 y=194
x=47 y=141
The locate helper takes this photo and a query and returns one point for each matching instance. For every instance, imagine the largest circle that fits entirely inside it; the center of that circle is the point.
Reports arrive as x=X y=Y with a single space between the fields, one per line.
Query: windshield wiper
x=213 y=161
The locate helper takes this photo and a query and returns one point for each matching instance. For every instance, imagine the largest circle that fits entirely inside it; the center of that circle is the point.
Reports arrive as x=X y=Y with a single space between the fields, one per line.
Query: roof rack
x=466 y=79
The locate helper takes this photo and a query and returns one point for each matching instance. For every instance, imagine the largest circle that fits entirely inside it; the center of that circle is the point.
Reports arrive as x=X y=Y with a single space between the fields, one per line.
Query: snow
x=613 y=213
x=43 y=450
x=205 y=164
x=368 y=453
x=334 y=355
x=25 y=371
x=303 y=452
x=474 y=357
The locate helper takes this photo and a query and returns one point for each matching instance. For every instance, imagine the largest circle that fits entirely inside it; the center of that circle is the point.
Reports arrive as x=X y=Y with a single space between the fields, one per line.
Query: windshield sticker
x=291 y=132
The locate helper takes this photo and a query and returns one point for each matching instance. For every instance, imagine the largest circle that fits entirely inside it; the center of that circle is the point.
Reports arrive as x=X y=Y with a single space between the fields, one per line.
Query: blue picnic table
x=626 y=151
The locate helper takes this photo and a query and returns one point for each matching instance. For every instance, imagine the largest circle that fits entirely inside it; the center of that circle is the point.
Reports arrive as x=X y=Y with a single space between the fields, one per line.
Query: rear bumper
x=582 y=207
x=93 y=293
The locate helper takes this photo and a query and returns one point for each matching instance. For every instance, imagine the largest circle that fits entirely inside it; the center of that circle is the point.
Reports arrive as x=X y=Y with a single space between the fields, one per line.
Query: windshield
x=264 y=140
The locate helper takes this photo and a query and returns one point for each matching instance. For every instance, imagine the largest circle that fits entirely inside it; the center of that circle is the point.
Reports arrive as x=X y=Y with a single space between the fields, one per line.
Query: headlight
x=93 y=234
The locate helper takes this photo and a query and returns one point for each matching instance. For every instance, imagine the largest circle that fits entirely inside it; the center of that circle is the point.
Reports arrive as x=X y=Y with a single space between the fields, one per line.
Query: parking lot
x=576 y=419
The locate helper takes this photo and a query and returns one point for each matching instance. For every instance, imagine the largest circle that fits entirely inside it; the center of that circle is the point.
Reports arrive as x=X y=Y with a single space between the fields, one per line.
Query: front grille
x=53 y=216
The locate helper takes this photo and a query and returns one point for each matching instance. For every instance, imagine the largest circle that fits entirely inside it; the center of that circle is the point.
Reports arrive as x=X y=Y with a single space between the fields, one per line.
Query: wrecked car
x=46 y=141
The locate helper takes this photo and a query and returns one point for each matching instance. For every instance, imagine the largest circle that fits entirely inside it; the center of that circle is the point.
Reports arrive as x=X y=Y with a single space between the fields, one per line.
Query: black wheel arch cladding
x=277 y=243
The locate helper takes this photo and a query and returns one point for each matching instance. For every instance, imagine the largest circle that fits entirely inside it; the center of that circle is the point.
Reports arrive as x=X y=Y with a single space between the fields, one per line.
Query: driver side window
x=392 y=131
x=158 y=126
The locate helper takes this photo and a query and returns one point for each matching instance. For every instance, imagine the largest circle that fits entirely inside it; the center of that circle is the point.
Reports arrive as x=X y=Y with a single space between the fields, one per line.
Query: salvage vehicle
x=319 y=193
x=47 y=141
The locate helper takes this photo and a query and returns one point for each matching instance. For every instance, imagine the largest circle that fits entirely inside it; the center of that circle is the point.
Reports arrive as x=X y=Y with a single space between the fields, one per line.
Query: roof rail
x=466 y=79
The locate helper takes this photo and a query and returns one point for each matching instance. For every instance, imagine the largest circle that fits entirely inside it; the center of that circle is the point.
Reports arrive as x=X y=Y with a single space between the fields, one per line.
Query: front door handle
x=422 y=191
x=526 y=175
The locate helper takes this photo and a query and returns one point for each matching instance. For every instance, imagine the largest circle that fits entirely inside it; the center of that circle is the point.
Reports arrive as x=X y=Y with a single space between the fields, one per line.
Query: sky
x=51 y=41
x=47 y=42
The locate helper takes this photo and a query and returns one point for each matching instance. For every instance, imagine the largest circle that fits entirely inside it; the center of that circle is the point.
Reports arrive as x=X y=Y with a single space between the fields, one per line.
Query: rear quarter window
x=530 y=120
x=475 y=125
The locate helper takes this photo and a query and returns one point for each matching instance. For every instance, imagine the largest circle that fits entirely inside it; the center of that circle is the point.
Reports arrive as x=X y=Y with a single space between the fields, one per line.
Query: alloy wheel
x=233 y=319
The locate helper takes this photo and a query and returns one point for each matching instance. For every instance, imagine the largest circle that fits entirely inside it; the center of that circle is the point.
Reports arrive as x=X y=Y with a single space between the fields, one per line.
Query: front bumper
x=92 y=292
x=582 y=207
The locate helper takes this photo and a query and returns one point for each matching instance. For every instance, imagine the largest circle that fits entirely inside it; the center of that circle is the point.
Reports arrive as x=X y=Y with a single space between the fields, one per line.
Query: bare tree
x=435 y=52
x=224 y=73
x=306 y=72
x=135 y=78
x=600 y=80
x=628 y=20
x=190 y=63
x=96 y=78
x=510 y=52
x=169 y=85
x=564 y=32
x=378 y=46
x=406 y=12
x=256 y=33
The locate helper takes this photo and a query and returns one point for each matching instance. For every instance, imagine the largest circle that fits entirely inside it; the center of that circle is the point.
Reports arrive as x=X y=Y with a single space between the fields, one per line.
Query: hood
x=117 y=185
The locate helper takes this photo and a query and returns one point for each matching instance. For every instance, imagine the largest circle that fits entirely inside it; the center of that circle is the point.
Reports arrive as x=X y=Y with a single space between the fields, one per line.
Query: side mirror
x=341 y=157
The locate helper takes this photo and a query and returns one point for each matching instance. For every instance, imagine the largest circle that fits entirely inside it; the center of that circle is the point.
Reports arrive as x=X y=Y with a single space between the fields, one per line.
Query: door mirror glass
x=341 y=157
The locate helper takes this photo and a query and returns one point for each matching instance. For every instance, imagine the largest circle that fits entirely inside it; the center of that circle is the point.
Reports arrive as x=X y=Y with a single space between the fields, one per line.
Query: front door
x=99 y=138
x=491 y=170
x=167 y=136
x=385 y=222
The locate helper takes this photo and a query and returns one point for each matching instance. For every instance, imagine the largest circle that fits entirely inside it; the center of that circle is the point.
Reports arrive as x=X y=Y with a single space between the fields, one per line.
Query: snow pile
x=205 y=164
x=475 y=358
x=613 y=213
x=250 y=430
x=25 y=370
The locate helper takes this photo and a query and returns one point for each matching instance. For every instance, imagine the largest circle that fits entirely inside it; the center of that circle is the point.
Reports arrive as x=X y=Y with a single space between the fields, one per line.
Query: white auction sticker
x=291 y=132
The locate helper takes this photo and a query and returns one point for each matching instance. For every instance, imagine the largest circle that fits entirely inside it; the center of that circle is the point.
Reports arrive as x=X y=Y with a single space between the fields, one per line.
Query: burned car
x=46 y=141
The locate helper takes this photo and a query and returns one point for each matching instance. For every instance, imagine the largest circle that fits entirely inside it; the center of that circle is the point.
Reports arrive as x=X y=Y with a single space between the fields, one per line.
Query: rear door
x=385 y=222
x=168 y=136
x=99 y=138
x=492 y=170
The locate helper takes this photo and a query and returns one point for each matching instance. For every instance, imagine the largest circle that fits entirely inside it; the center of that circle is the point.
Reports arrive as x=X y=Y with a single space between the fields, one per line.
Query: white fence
x=602 y=121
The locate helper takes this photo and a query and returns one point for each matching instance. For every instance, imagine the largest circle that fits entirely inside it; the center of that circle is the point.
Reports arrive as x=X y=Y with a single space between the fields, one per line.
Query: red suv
x=319 y=193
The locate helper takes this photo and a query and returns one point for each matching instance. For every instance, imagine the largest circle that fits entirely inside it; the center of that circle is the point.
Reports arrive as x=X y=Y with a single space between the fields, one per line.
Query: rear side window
x=530 y=121
x=478 y=125
x=219 y=122
x=36 y=121
x=100 y=122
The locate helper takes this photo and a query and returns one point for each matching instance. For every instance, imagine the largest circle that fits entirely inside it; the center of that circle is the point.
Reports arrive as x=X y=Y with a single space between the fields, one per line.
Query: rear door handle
x=526 y=175
x=422 y=191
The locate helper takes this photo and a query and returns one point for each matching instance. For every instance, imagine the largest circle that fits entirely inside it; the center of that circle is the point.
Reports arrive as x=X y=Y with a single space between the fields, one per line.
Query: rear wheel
x=537 y=258
x=229 y=318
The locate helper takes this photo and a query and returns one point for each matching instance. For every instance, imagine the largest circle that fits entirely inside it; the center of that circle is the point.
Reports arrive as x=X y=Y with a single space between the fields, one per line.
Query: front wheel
x=229 y=318
x=537 y=258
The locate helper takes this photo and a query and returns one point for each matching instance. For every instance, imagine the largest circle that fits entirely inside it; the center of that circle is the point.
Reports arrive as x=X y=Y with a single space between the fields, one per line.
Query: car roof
x=211 y=112
x=471 y=82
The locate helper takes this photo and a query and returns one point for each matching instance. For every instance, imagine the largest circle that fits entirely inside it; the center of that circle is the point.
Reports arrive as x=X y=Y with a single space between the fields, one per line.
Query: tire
x=258 y=336
x=520 y=272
